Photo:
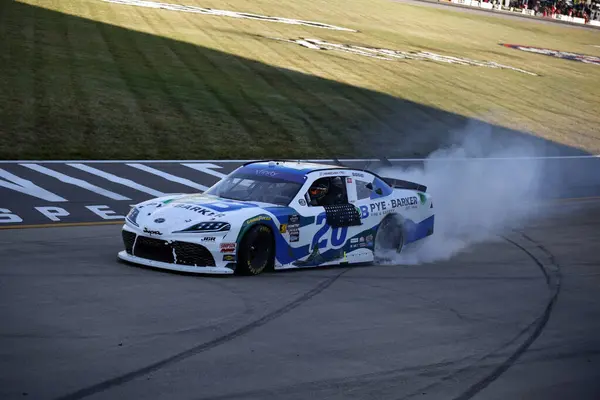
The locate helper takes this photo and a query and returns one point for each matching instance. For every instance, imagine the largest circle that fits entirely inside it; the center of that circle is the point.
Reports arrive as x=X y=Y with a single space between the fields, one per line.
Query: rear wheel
x=256 y=252
x=389 y=239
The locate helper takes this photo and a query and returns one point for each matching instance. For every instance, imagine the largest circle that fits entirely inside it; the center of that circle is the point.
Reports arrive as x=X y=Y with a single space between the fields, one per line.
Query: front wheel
x=389 y=239
x=256 y=252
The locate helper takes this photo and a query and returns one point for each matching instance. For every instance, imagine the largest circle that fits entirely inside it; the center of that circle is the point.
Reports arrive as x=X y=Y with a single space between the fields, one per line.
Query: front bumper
x=173 y=267
x=176 y=253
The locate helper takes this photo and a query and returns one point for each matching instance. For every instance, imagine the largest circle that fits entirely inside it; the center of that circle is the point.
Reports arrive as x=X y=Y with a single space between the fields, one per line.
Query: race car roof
x=295 y=167
x=294 y=171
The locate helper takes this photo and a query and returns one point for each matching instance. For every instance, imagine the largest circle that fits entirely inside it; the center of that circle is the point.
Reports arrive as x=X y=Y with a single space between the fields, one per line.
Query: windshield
x=251 y=187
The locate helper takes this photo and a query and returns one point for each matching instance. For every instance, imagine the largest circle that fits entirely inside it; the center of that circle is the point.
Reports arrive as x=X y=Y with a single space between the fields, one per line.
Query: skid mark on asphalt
x=551 y=274
x=122 y=379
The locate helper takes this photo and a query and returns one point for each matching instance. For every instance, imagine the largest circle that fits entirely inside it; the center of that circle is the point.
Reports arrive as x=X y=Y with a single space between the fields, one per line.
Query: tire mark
x=122 y=379
x=534 y=329
x=337 y=383
x=538 y=325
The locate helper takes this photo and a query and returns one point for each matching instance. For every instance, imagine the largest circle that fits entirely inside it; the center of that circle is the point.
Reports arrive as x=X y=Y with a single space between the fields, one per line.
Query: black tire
x=389 y=238
x=256 y=251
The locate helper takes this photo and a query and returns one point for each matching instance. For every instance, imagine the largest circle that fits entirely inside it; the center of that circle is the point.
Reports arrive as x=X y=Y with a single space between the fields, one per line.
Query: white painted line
x=77 y=182
x=168 y=176
x=226 y=13
x=27 y=187
x=205 y=167
x=117 y=179
x=309 y=160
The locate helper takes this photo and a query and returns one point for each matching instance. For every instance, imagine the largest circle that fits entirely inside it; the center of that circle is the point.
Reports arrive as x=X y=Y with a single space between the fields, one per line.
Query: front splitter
x=123 y=255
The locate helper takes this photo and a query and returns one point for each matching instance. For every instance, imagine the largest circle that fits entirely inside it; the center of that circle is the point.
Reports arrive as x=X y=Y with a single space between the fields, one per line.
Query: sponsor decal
x=354 y=240
x=405 y=201
x=257 y=219
x=228 y=257
x=266 y=172
x=565 y=55
x=225 y=13
x=208 y=239
x=227 y=247
x=384 y=207
x=198 y=209
x=152 y=232
x=422 y=198
x=330 y=173
x=159 y=220
x=283 y=228
x=302 y=202
x=358 y=174
x=293 y=227
x=349 y=180
x=392 y=55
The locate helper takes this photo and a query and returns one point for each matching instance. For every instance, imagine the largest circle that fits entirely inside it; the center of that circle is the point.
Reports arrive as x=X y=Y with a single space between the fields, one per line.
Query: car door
x=330 y=225
x=365 y=197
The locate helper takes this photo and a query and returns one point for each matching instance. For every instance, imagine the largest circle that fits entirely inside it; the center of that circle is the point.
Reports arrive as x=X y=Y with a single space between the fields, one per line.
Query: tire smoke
x=482 y=188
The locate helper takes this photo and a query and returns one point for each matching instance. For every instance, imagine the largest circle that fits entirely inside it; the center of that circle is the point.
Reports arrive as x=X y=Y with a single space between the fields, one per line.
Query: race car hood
x=178 y=213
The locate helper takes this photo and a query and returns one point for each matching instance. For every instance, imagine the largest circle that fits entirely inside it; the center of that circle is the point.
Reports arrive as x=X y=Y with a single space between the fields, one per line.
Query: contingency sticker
x=293 y=227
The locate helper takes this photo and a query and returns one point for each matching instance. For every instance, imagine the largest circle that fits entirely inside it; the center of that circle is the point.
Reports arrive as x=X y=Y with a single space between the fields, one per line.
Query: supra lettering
x=151 y=232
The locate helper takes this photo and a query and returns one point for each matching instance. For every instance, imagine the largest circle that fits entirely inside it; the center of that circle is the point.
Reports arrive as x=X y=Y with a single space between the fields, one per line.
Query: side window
x=327 y=191
x=362 y=191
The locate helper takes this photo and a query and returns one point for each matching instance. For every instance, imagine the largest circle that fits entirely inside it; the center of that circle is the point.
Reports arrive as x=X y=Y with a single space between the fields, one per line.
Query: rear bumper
x=123 y=255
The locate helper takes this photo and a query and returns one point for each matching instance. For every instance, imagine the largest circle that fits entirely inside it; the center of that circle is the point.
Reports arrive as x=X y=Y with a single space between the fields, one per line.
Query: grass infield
x=88 y=79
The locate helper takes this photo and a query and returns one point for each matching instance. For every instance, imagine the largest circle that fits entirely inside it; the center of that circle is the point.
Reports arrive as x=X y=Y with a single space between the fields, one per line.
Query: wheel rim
x=390 y=237
x=258 y=251
x=388 y=241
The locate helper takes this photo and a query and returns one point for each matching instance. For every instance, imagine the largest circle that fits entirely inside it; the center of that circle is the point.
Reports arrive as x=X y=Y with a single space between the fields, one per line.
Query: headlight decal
x=207 y=226
x=132 y=216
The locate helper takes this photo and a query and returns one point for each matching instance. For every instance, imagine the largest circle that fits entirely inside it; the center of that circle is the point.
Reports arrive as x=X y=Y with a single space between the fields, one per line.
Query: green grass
x=90 y=79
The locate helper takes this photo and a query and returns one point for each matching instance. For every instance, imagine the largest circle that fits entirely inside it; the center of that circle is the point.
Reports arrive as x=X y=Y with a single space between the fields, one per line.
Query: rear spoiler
x=400 y=184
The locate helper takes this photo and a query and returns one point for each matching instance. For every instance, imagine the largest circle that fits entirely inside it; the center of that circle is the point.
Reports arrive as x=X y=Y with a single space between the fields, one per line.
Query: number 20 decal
x=338 y=235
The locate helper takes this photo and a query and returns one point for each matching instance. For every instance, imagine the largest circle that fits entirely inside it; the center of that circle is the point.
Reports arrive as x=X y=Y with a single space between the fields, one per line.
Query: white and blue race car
x=279 y=215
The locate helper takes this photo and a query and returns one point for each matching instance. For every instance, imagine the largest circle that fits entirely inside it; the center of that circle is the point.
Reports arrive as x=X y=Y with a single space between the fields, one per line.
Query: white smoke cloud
x=482 y=188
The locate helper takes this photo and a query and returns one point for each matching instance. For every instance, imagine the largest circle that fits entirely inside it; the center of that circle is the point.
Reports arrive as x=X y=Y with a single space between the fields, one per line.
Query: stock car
x=263 y=216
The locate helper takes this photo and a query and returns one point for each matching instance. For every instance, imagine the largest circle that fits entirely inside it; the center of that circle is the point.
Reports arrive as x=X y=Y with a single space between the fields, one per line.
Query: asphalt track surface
x=513 y=318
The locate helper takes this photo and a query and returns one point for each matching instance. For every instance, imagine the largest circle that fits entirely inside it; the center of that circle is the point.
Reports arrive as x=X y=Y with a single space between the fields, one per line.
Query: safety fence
x=497 y=6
